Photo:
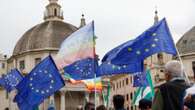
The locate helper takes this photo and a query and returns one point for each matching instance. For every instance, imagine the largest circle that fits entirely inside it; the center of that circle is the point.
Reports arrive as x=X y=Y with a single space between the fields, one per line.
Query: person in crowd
x=145 y=104
x=89 y=106
x=118 y=101
x=169 y=96
x=101 y=107
x=189 y=102
x=189 y=99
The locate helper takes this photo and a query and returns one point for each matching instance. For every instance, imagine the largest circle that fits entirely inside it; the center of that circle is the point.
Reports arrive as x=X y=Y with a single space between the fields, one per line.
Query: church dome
x=186 y=44
x=47 y=35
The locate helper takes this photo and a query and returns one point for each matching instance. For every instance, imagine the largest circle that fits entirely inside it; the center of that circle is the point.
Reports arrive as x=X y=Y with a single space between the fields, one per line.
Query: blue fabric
x=82 y=69
x=112 y=53
x=39 y=84
x=154 y=40
x=11 y=80
x=106 y=68
x=140 y=80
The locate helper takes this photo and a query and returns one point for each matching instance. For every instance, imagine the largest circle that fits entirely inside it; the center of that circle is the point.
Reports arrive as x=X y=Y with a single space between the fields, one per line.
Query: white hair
x=174 y=68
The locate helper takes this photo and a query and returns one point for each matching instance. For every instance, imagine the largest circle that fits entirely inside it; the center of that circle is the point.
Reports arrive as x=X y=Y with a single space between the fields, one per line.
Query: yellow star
x=146 y=50
x=154 y=34
x=156 y=39
x=153 y=45
x=124 y=66
x=138 y=52
x=129 y=49
x=113 y=66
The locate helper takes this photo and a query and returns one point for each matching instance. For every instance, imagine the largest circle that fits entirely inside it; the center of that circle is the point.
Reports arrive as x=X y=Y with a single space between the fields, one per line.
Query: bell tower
x=53 y=11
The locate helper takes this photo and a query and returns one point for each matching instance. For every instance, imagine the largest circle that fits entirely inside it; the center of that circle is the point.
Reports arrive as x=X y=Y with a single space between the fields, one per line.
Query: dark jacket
x=170 y=95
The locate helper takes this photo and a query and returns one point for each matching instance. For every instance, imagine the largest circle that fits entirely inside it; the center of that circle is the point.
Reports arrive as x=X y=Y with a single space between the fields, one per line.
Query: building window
x=127 y=97
x=113 y=87
x=193 y=67
x=22 y=65
x=131 y=95
x=55 y=12
x=120 y=84
x=6 y=108
x=131 y=107
x=3 y=65
x=184 y=41
x=123 y=83
x=131 y=79
x=117 y=85
x=161 y=71
x=37 y=61
x=160 y=58
x=127 y=81
x=7 y=95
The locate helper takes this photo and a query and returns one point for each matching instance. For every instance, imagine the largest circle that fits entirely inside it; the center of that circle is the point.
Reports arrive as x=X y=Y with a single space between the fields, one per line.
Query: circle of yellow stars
x=50 y=87
x=153 y=45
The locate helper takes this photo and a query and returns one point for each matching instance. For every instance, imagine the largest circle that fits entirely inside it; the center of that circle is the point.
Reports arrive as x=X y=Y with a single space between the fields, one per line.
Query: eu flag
x=39 y=84
x=106 y=68
x=11 y=80
x=112 y=53
x=140 y=79
x=154 y=40
x=82 y=69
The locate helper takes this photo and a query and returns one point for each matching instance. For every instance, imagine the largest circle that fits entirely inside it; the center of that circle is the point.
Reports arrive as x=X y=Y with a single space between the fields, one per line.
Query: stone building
x=186 y=48
x=3 y=64
x=37 y=43
x=3 y=70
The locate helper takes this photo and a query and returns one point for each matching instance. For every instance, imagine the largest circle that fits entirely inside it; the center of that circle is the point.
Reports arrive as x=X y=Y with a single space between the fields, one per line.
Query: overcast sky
x=116 y=21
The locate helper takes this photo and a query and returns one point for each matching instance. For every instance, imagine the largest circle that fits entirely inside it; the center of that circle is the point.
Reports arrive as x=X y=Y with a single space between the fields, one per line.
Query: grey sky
x=116 y=21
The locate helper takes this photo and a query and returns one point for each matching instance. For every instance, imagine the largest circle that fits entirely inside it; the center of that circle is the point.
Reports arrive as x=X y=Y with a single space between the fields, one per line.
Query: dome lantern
x=156 y=16
x=83 y=23
x=53 y=11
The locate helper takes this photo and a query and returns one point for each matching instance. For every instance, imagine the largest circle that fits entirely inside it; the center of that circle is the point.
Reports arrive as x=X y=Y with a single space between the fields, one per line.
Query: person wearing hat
x=169 y=96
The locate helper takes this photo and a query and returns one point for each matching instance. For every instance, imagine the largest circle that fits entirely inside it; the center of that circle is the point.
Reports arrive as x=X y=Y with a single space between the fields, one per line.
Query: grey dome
x=47 y=35
x=186 y=44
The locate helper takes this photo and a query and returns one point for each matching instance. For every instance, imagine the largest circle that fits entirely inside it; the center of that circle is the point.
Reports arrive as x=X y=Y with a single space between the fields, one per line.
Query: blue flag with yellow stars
x=106 y=68
x=39 y=84
x=156 y=39
x=112 y=53
x=140 y=79
x=82 y=69
x=11 y=80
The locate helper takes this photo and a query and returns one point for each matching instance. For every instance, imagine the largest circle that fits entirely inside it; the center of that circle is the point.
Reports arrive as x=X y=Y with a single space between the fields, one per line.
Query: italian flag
x=144 y=92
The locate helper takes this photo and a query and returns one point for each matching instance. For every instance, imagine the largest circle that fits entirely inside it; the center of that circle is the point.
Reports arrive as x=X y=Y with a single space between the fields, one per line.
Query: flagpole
x=94 y=38
x=185 y=74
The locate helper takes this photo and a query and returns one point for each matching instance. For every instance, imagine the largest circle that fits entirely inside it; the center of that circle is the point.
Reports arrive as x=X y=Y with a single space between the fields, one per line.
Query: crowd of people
x=172 y=95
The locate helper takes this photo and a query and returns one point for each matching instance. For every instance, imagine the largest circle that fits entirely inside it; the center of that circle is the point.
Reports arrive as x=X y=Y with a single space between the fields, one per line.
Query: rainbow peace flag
x=78 y=46
x=90 y=84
